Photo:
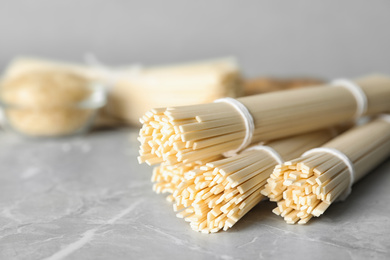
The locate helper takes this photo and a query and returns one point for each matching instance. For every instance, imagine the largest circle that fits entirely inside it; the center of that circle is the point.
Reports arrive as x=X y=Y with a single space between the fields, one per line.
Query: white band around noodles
x=269 y=150
x=342 y=157
x=248 y=120
x=357 y=92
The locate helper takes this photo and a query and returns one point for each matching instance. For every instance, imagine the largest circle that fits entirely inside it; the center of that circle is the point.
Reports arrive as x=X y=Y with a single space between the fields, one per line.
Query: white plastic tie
x=248 y=120
x=357 y=92
x=111 y=75
x=271 y=151
x=344 y=159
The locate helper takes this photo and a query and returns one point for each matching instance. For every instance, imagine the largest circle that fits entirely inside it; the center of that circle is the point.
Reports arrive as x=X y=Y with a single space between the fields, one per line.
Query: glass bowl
x=51 y=121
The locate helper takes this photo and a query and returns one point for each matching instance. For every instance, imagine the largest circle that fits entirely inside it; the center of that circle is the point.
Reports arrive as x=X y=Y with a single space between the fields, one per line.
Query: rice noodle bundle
x=191 y=133
x=307 y=186
x=216 y=195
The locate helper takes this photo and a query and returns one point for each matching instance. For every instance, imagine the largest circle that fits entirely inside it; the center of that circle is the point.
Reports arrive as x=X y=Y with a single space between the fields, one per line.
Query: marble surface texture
x=88 y=198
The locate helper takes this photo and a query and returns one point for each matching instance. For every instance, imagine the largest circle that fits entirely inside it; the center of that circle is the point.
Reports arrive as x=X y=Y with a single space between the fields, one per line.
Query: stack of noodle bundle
x=134 y=89
x=178 y=85
x=307 y=186
x=191 y=133
x=216 y=195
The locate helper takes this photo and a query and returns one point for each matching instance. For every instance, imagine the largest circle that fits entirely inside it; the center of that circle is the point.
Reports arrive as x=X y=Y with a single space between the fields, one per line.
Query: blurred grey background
x=330 y=38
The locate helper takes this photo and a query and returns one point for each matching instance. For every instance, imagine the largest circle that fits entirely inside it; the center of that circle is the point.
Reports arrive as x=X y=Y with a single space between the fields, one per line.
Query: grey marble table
x=87 y=198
